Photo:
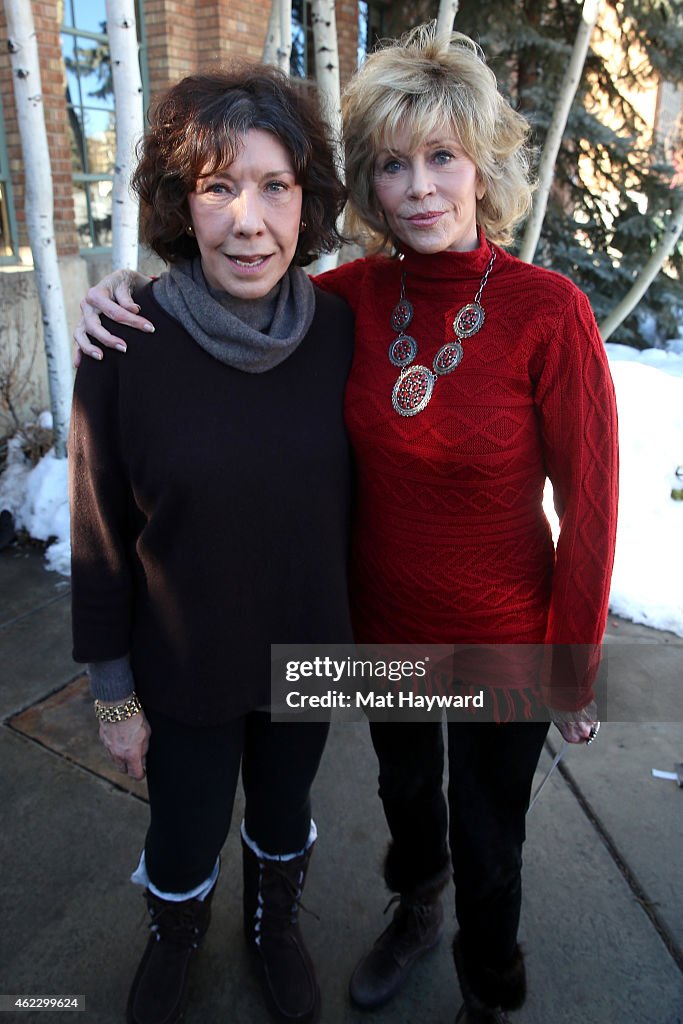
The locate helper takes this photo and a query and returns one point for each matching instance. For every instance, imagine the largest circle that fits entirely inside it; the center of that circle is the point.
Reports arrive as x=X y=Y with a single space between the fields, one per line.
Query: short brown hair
x=423 y=81
x=195 y=130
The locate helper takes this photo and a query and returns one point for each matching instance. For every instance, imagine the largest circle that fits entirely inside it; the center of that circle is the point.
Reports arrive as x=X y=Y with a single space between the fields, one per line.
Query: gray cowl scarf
x=253 y=335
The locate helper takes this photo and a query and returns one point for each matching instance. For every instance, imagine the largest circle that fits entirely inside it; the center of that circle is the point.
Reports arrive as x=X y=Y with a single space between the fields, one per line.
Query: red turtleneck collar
x=447 y=266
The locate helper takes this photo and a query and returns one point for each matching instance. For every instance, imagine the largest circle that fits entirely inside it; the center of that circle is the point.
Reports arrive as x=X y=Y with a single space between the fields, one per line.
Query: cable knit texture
x=451 y=543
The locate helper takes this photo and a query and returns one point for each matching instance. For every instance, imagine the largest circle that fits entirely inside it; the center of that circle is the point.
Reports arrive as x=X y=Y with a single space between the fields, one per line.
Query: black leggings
x=192 y=775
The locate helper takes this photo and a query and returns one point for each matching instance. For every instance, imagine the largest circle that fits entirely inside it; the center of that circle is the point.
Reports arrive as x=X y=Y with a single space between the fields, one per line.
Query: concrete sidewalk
x=603 y=913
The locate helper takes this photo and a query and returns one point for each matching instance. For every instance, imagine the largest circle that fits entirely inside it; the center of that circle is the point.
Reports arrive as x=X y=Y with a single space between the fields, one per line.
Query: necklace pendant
x=413 y=390
x=401 y=315
x=447 y=358
x=468 y=320
x=402 y=350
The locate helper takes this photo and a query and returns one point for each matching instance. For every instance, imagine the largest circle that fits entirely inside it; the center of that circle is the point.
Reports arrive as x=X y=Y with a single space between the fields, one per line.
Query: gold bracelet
x=118 y=712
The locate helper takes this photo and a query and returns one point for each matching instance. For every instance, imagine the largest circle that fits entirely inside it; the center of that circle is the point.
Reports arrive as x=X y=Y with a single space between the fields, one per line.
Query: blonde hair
x=421 y=83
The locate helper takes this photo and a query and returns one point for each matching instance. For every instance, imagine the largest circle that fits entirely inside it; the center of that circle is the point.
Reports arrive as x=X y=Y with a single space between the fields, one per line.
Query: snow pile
x=37 y=497
x=647 y=585
x=670 y=361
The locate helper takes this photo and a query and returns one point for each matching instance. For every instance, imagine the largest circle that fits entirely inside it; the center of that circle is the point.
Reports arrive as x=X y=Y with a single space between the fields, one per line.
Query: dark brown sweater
x=210 y=512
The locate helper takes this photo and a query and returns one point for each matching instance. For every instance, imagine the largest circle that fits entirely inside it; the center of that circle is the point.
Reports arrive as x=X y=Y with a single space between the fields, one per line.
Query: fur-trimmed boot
x=158 y=990
x=488 y=993
x=416 y=927
x=272 y=897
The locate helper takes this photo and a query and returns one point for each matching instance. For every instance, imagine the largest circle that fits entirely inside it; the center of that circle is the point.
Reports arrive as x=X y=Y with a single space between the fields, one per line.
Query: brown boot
x=488 y=992
x=158 y=989
x=416 y=927
x=272 y=896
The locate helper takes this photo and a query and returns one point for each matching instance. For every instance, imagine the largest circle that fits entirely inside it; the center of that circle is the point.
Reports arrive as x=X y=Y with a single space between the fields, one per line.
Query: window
x=302 y=60
x=90 y=109
x=8 y=228
x=370 y=27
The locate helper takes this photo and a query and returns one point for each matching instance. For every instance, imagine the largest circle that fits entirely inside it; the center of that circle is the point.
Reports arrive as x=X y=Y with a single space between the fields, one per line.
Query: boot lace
x=176 y=924
x=279 y=898
x=412 y=919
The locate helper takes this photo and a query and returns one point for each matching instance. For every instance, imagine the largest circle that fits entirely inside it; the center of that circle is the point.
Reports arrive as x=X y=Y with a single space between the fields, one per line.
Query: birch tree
x=272 y=43
x=277 y=48
x=284 y=51
x=326 y=49
x=447 y=12
x=570 y=84
x=660 y=255
x=324 y=22
x=23 y=49
x=125 y=65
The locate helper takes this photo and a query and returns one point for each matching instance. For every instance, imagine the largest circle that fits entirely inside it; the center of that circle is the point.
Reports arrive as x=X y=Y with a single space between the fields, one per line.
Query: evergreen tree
x=613 y=184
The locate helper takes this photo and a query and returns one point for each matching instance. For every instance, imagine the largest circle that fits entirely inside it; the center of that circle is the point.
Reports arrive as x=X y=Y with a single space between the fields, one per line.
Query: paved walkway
x=603 y=916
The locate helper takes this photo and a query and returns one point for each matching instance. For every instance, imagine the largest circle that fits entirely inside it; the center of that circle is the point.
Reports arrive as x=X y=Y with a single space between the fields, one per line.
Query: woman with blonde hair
x=474 y=377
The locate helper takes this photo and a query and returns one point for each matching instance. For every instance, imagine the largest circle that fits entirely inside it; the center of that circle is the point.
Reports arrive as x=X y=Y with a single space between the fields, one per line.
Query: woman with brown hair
x=210 y=493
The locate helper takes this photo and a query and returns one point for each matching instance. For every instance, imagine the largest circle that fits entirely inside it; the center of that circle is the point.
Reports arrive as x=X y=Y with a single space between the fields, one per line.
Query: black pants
x=192 y=777
x=491 y=769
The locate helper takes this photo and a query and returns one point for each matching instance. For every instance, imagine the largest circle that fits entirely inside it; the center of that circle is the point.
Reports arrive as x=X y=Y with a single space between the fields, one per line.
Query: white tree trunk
x=125 y=64
x=673 y=231
x=327 y=62
x=447 y=12
x=23 y=48
x=546 y=170
x=284 y=51
x=327 y=78
x=270 y=47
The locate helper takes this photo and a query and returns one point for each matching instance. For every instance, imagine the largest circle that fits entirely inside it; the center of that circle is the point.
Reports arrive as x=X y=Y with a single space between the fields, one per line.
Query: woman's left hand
x=127 y=743
x=577 y=726
x=112 y=297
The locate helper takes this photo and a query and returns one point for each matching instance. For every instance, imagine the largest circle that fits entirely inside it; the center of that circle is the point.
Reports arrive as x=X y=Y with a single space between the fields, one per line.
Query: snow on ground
x=647 y=585
x=37 y=497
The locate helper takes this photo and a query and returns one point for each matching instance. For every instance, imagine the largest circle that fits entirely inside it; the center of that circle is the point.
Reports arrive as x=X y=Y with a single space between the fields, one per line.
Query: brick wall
x=232 y=28
x=171 y=35
x=347 y=36
x=185 y=35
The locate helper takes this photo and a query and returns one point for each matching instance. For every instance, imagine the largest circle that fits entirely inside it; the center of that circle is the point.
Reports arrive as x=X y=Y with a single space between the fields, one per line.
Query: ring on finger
x=595 y=729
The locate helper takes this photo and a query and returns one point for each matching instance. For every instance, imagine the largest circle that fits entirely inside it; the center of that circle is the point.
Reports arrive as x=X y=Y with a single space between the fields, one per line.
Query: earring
x=302 y=226
x=189 y=230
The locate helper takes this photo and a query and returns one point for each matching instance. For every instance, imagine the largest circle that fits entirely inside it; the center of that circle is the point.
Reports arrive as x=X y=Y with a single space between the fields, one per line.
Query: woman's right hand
x=577 y=726
x=126 y=743
x=111 y=297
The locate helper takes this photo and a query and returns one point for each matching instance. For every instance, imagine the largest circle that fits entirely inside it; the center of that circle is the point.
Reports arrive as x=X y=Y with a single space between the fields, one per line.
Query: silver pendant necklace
x=415 y=385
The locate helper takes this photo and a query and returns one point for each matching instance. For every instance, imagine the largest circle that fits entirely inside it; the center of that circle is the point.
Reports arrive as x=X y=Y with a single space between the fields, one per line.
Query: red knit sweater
x=451 y=543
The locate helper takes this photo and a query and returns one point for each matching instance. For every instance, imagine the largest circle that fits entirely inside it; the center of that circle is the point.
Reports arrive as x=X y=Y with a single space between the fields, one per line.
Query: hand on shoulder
x=111 y=297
